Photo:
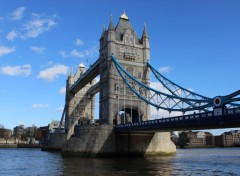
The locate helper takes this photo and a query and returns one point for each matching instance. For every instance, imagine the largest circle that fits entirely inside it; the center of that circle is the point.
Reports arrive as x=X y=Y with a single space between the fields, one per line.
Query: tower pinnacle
x=145 y=33
x=124 y=16
x=111 y=26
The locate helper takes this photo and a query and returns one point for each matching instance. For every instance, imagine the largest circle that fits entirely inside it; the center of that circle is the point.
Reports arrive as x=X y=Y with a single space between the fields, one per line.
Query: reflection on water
x=118 y=166
x=223 y=161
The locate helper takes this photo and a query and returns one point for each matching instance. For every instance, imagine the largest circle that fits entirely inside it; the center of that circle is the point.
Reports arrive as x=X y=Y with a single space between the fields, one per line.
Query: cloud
x=159 y=87
x=59 y=109
x=75 y=53
x=38 y=50
x=12 y=35
x=157 y=114
x=38 y=106
x=62 y=90
x=80 y=54
x=53 y=72
x=18 y=13
x=24 y=70
x=38 y=25
x=78 y=42
x=164 y=69
x=6 y=50
x=97 y=78
x=160 y=113
x=63 y=53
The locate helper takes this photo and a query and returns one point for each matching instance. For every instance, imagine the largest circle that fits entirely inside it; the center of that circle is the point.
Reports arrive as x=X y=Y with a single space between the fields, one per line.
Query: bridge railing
x=188 y=117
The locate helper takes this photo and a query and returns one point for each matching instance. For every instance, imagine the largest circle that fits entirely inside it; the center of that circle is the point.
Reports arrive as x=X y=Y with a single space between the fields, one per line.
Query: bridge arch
x=128 y=115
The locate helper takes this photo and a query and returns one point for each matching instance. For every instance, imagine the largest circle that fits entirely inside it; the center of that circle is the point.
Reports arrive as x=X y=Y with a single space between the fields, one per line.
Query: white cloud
x=75 y=53
x=37 y=106
x=160 y=113
x=24 y=70
x=97 y=78
x=62 y=90
x=53 y=72
x=78 y=42
x=80 y=54
x=164 y=69
x=38 y=25
x=12 y=35
x=38 y=50
x=63 y=54
x=18 y=13
x=157 y=114
x=59 y=109
x=158 y=86
x=6 y=50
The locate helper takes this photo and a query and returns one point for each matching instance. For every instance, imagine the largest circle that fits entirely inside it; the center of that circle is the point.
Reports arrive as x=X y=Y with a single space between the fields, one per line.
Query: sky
x=195 y=44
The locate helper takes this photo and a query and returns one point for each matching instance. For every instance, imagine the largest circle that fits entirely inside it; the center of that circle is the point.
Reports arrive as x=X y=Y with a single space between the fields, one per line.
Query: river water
x=213 y=161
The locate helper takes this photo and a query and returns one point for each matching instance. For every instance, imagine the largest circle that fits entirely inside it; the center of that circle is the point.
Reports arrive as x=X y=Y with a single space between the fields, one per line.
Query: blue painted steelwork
x=91 y=68
x=159 y=99
x=180 y=98
x=175 y=89
x=207 y=120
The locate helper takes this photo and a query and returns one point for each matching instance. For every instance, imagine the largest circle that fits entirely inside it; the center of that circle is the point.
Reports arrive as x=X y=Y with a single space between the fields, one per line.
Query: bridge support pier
x=102 y=140
x=55 y=142
x=144 y=144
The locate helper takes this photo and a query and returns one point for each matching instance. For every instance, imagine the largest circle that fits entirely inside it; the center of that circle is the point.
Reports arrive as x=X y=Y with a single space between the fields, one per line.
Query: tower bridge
x=125 y=97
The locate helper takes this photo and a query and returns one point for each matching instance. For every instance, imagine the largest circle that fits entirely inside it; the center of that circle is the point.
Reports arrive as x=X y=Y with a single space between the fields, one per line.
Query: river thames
x=212 y=161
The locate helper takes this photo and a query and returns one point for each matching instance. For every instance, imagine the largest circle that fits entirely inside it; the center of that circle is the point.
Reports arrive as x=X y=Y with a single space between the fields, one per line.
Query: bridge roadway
x=199 y=121
x=86 y=78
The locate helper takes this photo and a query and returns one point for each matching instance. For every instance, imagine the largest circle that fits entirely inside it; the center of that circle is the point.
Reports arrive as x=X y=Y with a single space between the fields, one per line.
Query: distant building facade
x=18 y=131
x=195 y=139
x=228 y=139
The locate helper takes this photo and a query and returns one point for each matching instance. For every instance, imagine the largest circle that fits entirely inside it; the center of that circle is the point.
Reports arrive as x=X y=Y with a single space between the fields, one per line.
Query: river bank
x=19 y=146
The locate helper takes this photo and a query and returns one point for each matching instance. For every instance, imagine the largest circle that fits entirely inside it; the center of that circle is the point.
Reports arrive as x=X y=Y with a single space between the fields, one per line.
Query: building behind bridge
x=206 y=139
x=228 y=139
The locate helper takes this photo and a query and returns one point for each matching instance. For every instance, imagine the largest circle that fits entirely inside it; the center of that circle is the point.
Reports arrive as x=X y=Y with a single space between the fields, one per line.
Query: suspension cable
x=124 y=103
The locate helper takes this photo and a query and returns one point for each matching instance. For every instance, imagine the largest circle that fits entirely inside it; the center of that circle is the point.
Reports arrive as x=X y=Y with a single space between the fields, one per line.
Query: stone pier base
x=142 y=144
x=91 y=141
x=54 y=142
x=102 y=140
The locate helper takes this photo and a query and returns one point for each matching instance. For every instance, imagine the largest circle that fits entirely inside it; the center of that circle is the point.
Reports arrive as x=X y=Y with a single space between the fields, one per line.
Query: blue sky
x=194 y=43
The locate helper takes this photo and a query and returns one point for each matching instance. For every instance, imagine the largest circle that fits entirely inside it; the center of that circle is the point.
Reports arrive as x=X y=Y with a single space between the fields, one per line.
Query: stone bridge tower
x=133 y=54
x=80 y=106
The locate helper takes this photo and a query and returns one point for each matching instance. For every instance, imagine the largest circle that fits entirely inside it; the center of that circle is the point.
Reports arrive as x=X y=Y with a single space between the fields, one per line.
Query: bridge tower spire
x=133 y=53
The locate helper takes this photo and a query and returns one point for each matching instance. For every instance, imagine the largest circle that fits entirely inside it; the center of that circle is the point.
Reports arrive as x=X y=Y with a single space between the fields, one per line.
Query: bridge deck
x=199 y=121
x=86 y=78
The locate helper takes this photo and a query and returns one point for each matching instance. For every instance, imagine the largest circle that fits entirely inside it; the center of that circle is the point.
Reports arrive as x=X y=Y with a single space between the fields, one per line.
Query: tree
x=1 y=126
x=7 y=135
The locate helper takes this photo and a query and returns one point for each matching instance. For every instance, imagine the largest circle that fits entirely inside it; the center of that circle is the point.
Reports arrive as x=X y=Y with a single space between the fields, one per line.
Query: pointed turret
x=145 y=33
x=111 y=26
x=70 y=80
x=103 y=32
x=111 y=33
x=146 y=45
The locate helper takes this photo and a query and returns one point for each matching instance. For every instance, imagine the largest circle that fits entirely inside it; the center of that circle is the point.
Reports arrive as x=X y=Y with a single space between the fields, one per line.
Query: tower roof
x=145 y=33
x=111 y=26
x=124 y=16
x=81 y=65
x=122 y=26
